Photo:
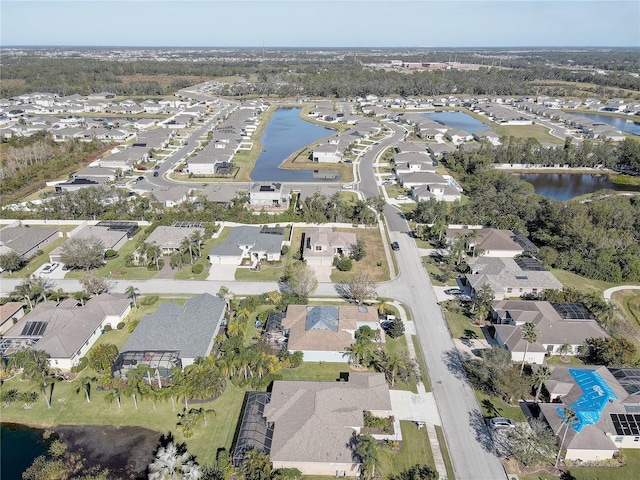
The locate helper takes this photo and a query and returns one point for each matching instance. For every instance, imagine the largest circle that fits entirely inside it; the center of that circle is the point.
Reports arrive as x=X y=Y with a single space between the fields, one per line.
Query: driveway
x=223 y=273
x=323 y=272
x=414 y=407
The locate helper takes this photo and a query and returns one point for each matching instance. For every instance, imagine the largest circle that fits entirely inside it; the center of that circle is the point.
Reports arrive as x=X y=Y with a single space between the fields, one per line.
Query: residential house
x=321 y=245
x=254 y=243
x=438 y=192
x=170 y=238
x=491 y=242
x=556 y=326
x=268 y=195
x=171 y=196
x=605 y=402
x=174 y=336
x=26 y=240
x=311 y=426
x=325 y=333
x=111 y=239
x=10 y=313
x=507 y=278
x=415 y=179
x=66 y=331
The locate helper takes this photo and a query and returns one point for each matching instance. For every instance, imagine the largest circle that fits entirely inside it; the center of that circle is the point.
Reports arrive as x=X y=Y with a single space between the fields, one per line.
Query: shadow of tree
x=483 y=436
x=453 y=361
x=343 y=290
x=470 y=334
x=490 y=407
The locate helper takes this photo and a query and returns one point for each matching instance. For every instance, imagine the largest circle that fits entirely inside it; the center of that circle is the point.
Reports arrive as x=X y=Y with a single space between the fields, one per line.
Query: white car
x=401 y=197
x=501 y=422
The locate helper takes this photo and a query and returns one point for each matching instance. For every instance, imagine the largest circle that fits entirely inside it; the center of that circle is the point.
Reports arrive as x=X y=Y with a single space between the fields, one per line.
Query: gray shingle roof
x=251 y=236
x=189 y=329
x=23 y=239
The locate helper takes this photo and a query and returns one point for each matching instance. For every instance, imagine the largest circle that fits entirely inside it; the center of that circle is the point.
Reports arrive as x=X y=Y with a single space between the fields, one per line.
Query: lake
x=564 y=186
x=20 y=446
x=286 y=134
x=622 y=124
x=458 y=120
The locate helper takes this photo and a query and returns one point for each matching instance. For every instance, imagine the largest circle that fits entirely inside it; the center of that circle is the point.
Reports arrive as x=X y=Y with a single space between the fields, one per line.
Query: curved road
x=468 y=441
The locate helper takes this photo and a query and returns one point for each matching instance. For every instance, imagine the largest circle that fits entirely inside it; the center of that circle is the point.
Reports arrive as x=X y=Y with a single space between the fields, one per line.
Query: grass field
x=493 y=406
x=628 y=302
x=369 y=264
x=415 y=450
x=459 y=325
x=583 y=284
x=537 y=132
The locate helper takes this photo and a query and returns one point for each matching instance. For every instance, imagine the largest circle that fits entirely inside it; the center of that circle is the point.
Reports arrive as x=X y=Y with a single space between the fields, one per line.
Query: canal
x=565 y=186
x=623 y=124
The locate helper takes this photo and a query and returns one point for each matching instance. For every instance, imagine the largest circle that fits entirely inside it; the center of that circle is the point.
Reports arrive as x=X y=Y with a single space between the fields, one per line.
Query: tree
x=459 y=248
x=153 y=253
x=84 y=386
x=611 y=352
x=564 y=349
x=256 y=465
x=416 y=472
x=532 y=443
x=176 y=260
x=35 y=368
x=569 y=420
x=358 y=251
x=85 y=253
x=367 y=453
x=362 y=287
x=82 y=297
x=94 y=285
x=197 y=237
x=396 y=329
x=132 y=293
x=173 y=462
x=539 y=377
x=303 y=281
x=530 y=334
x=483 y=297
x=102 y=356
x=187 y=246
x=11 y=262
x=31 y=289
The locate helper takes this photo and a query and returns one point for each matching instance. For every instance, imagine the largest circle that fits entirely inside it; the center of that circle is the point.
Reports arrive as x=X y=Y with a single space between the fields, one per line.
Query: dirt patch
x=125 y=451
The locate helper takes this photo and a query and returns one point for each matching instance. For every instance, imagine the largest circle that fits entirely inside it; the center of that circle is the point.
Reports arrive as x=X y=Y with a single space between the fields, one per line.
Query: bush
x=110 y=253
x=149 y=300
x=107 y=328
x=82 y=364
x=396 y=329
x=344 y=264
x=120 y=326
x=284 y=250
x=197 y=268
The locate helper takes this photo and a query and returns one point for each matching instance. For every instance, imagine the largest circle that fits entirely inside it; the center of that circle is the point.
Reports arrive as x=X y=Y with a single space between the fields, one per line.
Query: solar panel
x=626 y=423
x=187 y=224
x=34 y=329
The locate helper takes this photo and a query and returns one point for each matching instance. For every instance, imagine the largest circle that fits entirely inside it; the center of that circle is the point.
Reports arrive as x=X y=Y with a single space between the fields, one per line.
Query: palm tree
x=132 y=293
x=389 y=364
x=367 y=451
x=563 y=350
x=35 y=367
x=114 y=394
x=173 y=462
x=153 y=253
x=530 y=334
x=235 y=328
x=84 y=386
x=569 y=420
x=459 y=248
x=542 y=375
x=187 y=244
x=196 y=238
x=256 y=465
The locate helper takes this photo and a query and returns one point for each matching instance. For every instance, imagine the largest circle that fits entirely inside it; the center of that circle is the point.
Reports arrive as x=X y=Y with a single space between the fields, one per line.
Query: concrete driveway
x=323 y=272
x=222 y=273
x=414 y=407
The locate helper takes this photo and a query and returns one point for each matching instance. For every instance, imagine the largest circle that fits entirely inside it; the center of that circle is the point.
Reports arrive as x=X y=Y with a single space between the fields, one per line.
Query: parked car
x=453 y=291
x=501 y=422
x=156 y=167
x=395 y=246
x=401 y=197
x=47 y=268
x=139 y=178
x=156 y=173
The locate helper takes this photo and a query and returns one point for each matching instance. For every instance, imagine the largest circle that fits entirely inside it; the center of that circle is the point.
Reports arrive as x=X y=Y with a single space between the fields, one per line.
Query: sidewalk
x=424 y=400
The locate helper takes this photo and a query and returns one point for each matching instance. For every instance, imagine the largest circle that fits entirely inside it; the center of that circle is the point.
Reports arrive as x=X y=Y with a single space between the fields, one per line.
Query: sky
x=320 y=23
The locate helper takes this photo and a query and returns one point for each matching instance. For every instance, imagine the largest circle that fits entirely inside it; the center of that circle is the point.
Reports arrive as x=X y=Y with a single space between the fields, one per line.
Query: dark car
x=156 y=173
x=395 y=246
x=454 y=291
x=156 y=167
x=139 y=178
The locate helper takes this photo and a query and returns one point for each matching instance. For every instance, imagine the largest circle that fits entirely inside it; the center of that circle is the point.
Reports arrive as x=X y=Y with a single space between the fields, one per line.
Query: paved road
x=609 y=291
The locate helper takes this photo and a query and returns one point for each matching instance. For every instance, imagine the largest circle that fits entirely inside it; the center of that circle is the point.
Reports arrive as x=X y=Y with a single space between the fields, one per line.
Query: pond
x=458 y=120
x=564 y=186
x=286 y=134
x=20 y=446
x=627 y=125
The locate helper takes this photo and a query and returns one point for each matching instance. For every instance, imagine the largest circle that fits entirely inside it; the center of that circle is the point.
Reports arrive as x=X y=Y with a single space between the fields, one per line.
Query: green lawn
x=68 y=408
x=583 y=284
x=314 y=371
x=396 y=346
x=459 y=325
x=538 y=132
x=445 y=452
x=36 y=262
x=493 y=406
x=266 y=274
x=423 y=366
x=415 y=449
x=557 y=360
x=374 y=254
